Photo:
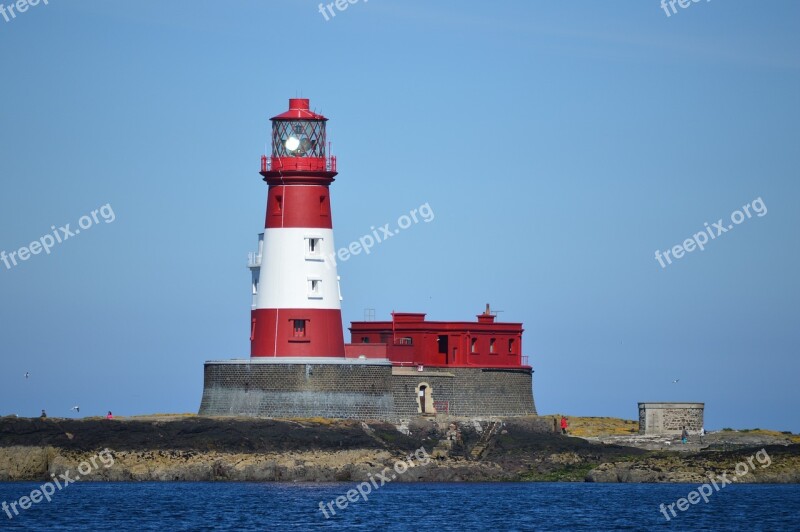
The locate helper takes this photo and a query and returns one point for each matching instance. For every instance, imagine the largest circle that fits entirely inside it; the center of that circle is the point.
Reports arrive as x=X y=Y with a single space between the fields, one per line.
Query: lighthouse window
x=511 y=346
x=315 y=288
x=299 y=328
x=298 y=138
x=473 y=346
x=492 y=341
x=313 y=247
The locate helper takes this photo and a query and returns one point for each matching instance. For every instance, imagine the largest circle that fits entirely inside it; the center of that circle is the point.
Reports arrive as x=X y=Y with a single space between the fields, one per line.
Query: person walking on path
x=563 y=425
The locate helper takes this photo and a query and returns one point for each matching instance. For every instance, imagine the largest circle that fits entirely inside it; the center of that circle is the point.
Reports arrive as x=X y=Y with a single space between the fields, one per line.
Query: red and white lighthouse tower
x=296 y=298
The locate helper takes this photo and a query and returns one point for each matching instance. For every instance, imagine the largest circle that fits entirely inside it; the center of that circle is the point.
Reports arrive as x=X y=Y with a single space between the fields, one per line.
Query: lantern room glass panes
x=298 y=138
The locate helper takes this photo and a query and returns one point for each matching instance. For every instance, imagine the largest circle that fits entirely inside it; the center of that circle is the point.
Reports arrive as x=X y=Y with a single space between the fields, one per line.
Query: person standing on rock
x=44 y=415
x=109 y=415
x=563 y=425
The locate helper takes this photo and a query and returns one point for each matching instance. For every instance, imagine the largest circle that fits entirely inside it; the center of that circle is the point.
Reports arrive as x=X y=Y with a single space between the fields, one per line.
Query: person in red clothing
x=563 y=425
x=110 y=415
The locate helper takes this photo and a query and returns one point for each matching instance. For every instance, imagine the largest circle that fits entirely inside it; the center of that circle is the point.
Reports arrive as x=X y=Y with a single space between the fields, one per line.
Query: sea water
x=399 y=506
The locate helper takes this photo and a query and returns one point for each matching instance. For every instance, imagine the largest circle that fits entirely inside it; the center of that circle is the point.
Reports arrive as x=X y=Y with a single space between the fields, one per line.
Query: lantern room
x=299 y=141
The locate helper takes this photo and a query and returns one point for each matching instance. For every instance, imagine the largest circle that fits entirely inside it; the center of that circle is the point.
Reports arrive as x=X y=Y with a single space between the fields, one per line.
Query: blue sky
x=558 y=143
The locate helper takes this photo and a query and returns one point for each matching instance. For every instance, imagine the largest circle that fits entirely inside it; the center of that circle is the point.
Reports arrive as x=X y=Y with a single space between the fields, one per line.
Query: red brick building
x=410 y=340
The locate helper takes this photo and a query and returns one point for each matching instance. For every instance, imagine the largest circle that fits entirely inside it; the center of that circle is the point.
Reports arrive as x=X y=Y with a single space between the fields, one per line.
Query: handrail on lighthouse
x=267 y=163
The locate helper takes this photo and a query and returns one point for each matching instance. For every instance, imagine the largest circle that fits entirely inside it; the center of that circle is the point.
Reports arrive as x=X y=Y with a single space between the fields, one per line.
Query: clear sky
x=559 y=144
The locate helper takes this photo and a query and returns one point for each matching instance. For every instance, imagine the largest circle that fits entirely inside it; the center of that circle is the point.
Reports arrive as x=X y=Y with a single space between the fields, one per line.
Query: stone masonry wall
x=670 y=418
x=674 y=419
x=469 y=392
x=361 y=391
x=297 y=390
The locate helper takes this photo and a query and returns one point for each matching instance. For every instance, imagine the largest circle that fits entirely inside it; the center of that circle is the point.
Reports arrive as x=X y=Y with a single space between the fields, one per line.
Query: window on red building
x=511 y=346
x=491 y=345
x=473 y=346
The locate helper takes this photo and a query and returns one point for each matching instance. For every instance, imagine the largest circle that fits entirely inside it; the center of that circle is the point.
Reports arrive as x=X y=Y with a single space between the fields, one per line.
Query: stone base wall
x=361 y=391
x=350 y=391
x=468 y=392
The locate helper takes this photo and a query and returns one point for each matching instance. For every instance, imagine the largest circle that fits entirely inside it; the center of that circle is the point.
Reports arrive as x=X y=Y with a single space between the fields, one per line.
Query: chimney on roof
x=487 y=316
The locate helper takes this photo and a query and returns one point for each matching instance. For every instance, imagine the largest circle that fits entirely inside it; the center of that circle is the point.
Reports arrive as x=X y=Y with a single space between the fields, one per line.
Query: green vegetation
x=568 y=473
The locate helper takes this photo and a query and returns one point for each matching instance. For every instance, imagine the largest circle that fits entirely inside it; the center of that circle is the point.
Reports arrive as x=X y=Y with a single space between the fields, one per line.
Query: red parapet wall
x=369 y=351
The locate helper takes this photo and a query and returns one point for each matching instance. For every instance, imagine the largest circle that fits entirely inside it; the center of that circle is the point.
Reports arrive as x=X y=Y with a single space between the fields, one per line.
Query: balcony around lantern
x=299 y=164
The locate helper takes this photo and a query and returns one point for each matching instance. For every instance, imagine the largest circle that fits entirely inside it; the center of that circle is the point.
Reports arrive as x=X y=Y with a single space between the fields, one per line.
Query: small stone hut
x=670 y=418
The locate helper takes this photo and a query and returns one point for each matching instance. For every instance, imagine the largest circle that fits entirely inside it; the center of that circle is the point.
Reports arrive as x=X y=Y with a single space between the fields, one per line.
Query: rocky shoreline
x=191 y=448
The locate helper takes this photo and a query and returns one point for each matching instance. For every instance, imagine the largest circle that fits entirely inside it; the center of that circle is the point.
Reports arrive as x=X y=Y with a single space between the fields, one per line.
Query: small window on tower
x=365 y=339
x=278 y=204
x=323 y=205
x=492 y=341
x=299 y=328
x=473 y=346
x=313 y=248
x=511 y=346
x=315 y=288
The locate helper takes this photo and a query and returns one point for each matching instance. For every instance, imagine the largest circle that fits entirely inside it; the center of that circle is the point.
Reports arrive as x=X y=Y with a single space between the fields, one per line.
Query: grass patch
x=315 y=420
x=568 y=473
x=600 y=426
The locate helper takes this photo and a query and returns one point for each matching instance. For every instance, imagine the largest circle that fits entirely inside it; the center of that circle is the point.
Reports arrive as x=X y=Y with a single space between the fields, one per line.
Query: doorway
x=442 y=341
x=424 y=398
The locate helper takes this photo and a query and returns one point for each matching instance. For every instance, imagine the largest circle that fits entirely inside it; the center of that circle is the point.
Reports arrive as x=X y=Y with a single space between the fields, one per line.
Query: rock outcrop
x=190 y=448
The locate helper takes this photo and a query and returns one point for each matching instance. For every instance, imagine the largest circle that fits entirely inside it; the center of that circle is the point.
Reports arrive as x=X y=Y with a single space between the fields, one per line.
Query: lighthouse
x=296 y=297
x=299 y=365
